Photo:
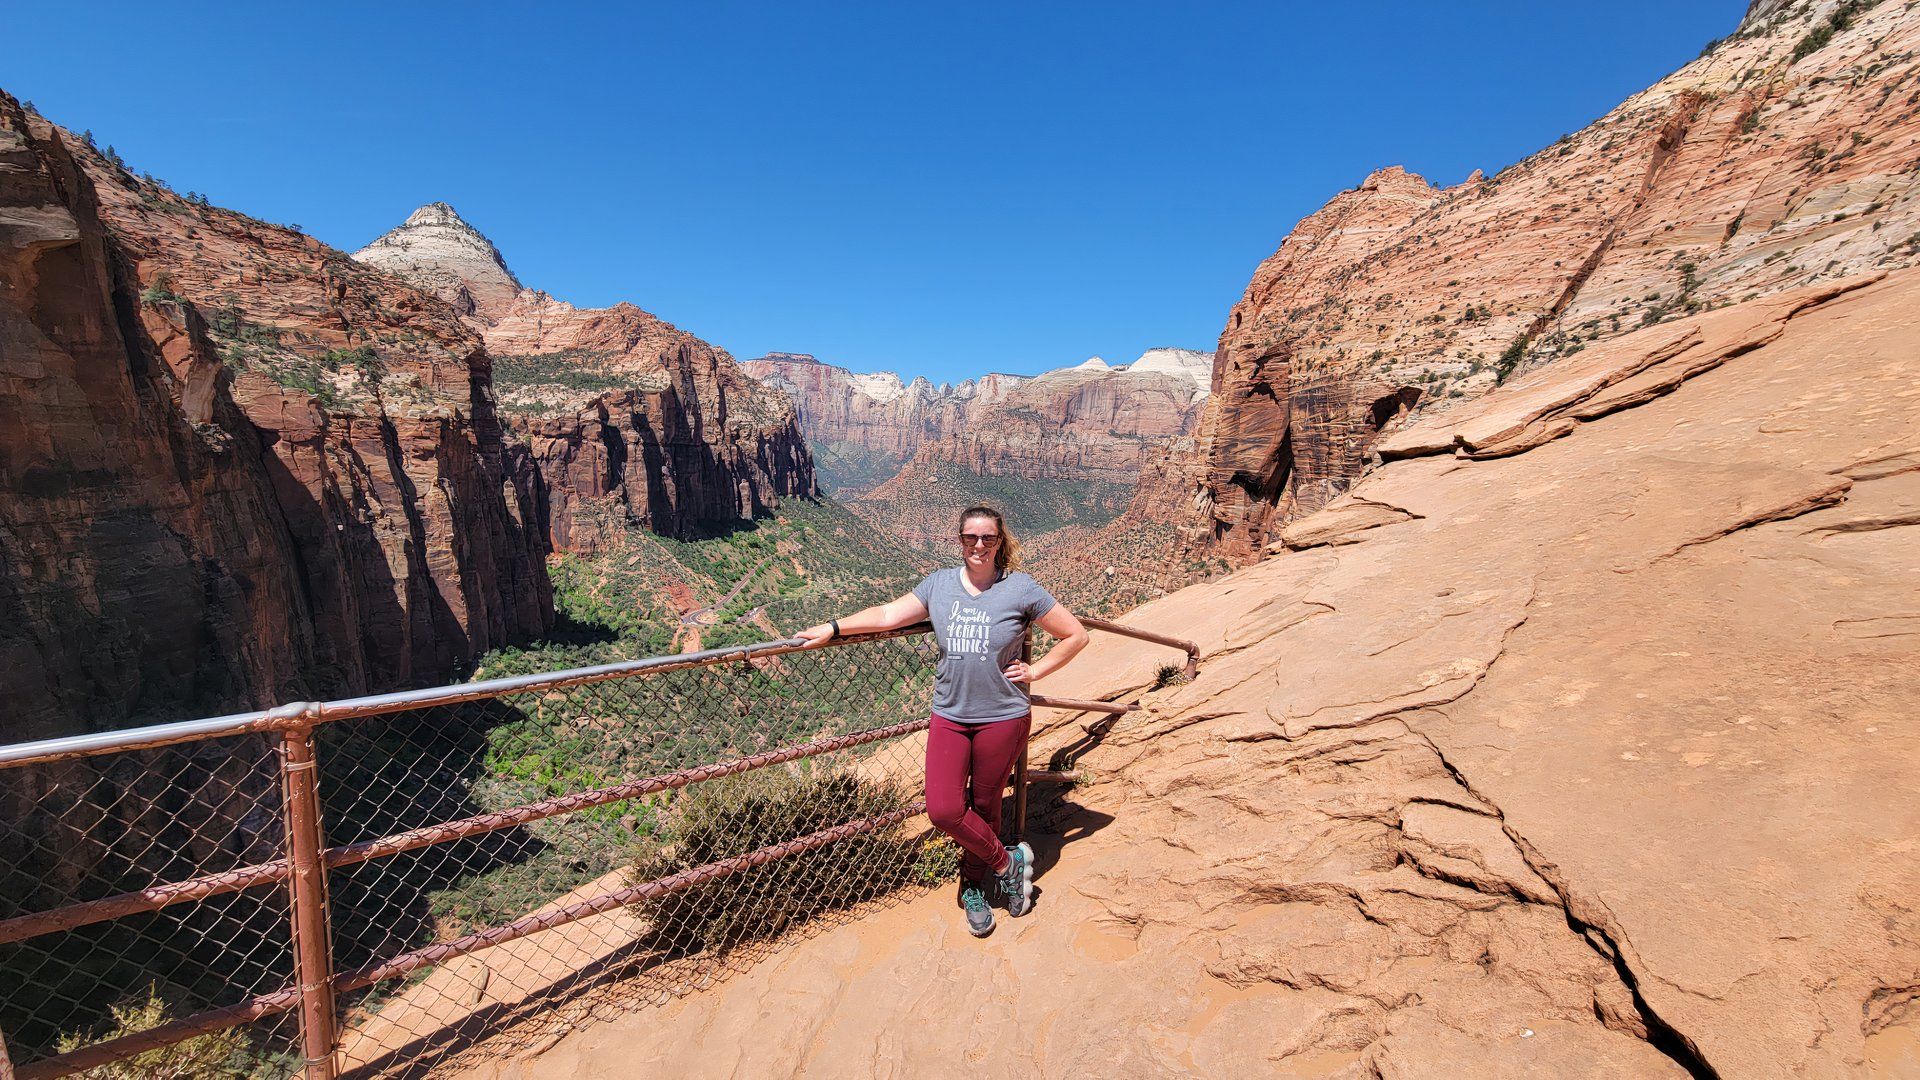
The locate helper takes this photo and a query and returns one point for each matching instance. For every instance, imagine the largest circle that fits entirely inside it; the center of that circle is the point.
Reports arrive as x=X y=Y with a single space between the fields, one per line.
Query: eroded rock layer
x=235 y=467
x=883 y=439
x=623 y=412
x=862 y=427
x=1784 y=155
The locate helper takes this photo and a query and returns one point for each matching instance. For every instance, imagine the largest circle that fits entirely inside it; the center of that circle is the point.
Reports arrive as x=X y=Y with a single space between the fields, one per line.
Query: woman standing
x=981 y=715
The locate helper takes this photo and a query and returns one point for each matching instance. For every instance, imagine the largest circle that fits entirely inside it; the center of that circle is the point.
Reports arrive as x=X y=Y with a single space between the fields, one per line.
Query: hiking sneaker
x=1016 y=881
x=973 y=897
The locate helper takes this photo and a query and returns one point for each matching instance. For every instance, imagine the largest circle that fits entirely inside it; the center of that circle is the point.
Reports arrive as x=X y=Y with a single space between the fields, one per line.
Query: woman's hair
x=1006 y=557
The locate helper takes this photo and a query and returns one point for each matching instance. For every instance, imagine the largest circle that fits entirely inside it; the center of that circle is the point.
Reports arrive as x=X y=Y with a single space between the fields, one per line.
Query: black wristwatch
x=835 y=623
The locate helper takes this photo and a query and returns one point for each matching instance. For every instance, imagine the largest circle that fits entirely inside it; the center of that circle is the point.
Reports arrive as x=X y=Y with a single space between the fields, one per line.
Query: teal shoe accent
x=1016 y=881
x=979 y=915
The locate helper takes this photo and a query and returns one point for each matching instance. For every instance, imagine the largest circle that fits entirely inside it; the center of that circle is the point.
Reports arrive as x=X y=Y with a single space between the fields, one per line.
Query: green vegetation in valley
x=848 y=469
x=810 y=561
x=529 y=382
x=1032 y=505
x=1109 y=571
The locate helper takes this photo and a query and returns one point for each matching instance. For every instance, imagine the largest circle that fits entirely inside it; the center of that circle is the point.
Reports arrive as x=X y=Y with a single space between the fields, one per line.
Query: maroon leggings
x=967 y=769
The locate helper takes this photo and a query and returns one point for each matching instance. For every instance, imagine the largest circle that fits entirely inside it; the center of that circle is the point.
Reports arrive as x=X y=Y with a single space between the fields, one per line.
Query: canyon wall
x=235 y=467
x=621 y=411
x=862 y=427
x=1091 y=421
x=1062 y=450
x=1785 y=155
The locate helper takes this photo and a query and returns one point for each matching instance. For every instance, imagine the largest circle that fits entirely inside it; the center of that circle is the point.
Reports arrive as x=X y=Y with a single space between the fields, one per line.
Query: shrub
x=362 y=359
x=733 y=816
x=161 y=291
x=1838 y=20
x=938 y=863
x=1510 y=359
x=217 y=1054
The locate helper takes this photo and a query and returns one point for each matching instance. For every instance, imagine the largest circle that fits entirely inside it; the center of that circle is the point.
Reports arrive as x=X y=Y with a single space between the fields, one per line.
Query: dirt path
x=703 y=616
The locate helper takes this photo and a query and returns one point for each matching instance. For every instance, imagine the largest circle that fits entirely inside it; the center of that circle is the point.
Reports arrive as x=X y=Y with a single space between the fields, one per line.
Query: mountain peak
x=439 y=213
x=437 y=250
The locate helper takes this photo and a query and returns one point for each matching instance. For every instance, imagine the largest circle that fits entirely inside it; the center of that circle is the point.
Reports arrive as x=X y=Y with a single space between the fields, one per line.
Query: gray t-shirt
x=978 y=637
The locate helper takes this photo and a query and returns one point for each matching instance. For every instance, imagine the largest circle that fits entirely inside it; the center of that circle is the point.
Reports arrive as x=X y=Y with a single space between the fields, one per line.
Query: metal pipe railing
x=394 y=967
x=305 y=869
x=303 y=713
x=312 y=949
x=1192 y=650
x=649 y=890
x=94 y=1055
x=21 y=927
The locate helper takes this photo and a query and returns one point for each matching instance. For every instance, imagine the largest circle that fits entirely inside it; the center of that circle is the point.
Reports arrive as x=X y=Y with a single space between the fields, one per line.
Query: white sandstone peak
x=881 y=386
x=1186 y=362
x=437 y=250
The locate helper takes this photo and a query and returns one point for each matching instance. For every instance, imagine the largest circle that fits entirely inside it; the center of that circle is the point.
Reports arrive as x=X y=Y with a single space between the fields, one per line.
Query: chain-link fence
x=385 y=884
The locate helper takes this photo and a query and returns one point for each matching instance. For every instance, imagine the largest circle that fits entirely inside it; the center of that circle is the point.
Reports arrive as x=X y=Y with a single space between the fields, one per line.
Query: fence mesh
x=92 y=828
x=845 y=821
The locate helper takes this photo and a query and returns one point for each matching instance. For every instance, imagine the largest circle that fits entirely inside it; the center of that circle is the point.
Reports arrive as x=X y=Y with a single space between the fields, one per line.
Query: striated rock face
x=1769 y=163
x=1080 y=422
x=1084 y=422
x=863 y=427
x=1585 y=754
x=444 y=255
x=1063 y=448
x=621 y=409
x=235 y=468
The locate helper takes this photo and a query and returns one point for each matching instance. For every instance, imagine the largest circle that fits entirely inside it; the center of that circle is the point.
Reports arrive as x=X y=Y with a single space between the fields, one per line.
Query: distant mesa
x=885 y=386
x=878 y=439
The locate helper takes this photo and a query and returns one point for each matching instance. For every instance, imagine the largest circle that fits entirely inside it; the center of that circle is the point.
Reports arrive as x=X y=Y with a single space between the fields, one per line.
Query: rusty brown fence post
x=312 y=952
x=1020 y=763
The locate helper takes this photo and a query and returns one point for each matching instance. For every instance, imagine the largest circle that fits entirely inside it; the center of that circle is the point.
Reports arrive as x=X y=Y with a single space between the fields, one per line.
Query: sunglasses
x=981 y=539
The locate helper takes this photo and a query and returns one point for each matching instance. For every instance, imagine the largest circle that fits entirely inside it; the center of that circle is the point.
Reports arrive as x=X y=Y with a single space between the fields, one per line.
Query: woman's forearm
x=1058 y=656
x=866 y=621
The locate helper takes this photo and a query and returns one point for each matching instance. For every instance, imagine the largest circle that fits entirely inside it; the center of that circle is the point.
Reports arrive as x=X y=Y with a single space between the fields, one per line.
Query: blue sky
x=938 y=190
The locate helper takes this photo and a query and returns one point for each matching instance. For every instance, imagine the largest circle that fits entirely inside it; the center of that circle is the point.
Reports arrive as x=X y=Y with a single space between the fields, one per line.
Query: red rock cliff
x=623 y=412
x=234 y=466
x=1783 y=156
x=1086 y=422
